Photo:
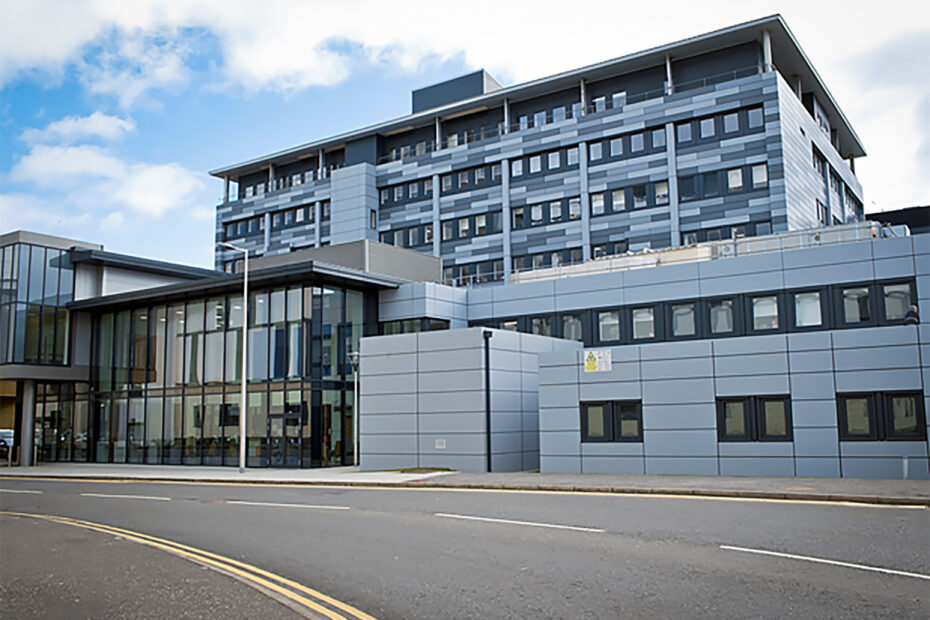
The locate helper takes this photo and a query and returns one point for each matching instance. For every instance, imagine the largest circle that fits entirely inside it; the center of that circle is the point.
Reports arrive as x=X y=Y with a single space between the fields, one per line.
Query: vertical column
x=766 y=51
x=267 y=233
x=225 y=190
x=438 y=140
x=319 y=165
x=671 y=153
x=437 y=230
x=27 y=430
x=270 y=177
x=583 y=92
x=506 y=218
x=669 y=84
x=585 y=201
x=797 y=86
x=506 y=115
x=318 y=218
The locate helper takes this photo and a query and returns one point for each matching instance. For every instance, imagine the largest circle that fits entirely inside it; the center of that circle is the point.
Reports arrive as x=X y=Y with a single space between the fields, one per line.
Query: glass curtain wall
x=166 y=383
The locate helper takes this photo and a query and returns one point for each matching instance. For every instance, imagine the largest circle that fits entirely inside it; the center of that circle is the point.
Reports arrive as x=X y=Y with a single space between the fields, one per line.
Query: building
x=657 y=264
x=726 y=134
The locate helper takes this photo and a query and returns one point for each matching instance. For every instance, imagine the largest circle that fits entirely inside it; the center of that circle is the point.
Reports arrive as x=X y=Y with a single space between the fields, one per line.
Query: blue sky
x=111 y=113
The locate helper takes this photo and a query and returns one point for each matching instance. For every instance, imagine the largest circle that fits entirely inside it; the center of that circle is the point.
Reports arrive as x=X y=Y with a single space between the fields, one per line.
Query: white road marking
x=107 y=495
x=318 y=507
x=791 y=556
x=554 y=526
x=20 y=491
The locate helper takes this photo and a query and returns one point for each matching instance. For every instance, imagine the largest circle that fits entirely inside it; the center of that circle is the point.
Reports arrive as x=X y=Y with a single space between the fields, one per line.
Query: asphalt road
x=453 y=554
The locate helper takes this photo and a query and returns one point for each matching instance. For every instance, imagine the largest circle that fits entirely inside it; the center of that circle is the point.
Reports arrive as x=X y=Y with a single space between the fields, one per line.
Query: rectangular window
x=856 y=306
x=428 y=233
x=427 y=187
x=617 y=421
x=399 y=238
x=807 y=309
x=539 y=119
x=662 y=193
x=398 y=193
x=463 y=227
x=760 y=175
x=541 y=326
x=385 y=196
x=463 y=179
x=608 y=326
x=554 y=160
x=535 y=163
x=516 y=168
x=754 y=117
x=683 y=320
x=684 y=132
x=618 y=198
x=597 y=204
x=571 y=156
x=558 y=114
x=765 y=312
x=686 y=188
x=373 y=219
x=881 y=416
x=897 y=298
x=481 y=224
x=636 y=142
x=574 y=208
x=639 y=196
x=711 y=181
x=707 y=128
x=452 y=140
x=413 y=237
x=735 y=180
x=495 y=172
x=600 y=104
x=571 y=327
x=446 y=183
x=480 y=175
x=413 y=190
x=555 y=210
x=595 y=151
x=658 y=138
x=518 y=218
x=731 y=122
x=721 y=316
x=754 y=418
x=448 y=230
x=616 y=147
x=714 y=234
x=523 y=122
x=643 y=323
x=536 y=214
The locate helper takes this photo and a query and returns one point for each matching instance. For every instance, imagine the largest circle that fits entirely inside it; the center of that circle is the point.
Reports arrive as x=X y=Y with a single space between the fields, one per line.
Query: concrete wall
x=423 y=400
x=424 y=300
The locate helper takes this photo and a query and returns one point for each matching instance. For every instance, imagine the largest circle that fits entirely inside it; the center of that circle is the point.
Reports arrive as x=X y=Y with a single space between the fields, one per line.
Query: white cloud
x=112 y=222
x=73 y=128
x=28 y=212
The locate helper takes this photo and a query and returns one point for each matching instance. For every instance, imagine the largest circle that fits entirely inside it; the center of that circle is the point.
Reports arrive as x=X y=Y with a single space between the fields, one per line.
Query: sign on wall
x=597 y=360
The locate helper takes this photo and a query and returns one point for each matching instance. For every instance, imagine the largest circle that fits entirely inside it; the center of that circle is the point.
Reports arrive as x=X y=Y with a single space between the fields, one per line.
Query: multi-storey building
x=727 y=134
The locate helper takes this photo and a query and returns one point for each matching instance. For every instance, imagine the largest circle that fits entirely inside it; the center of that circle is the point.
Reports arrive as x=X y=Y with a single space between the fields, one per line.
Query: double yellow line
x=306 y=598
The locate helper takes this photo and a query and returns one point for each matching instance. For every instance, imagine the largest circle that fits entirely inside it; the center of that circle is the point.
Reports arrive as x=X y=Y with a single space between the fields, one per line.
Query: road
x=424 y=553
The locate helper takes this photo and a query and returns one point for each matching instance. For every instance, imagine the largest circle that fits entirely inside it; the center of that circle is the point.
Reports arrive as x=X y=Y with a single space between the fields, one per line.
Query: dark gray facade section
x=450 y=91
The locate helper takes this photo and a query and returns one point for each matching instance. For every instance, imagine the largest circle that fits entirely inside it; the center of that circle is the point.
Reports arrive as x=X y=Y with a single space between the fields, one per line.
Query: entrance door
x=276 y=444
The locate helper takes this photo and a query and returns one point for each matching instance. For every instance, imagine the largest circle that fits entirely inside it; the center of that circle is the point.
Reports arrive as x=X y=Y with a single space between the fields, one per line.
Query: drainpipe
x=487 y=394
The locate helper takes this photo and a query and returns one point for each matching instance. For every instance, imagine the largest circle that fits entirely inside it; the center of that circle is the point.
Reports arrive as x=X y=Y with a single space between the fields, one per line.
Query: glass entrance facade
x=166 y=382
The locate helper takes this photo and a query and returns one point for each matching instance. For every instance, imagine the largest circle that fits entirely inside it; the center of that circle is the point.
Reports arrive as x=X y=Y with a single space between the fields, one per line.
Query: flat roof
x=787 y=55
x=135 y=263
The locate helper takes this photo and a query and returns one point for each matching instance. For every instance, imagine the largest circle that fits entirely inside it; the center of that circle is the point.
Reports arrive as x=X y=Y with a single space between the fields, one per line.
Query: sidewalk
x=907 y=492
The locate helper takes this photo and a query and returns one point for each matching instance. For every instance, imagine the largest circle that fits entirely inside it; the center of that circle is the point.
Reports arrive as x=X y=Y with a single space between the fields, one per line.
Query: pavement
x=870 y=491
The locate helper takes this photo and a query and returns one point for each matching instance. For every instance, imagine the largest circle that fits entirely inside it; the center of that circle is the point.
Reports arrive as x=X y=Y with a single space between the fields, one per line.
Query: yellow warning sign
x=597 y=360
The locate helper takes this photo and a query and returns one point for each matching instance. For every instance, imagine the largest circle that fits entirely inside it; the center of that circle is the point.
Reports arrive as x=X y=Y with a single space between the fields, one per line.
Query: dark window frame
x=738 y=314
x=825 y=309
x=839 y=311
x=880 y=298
x=669 y=328
x=753 y=416
x=880 y=416
x=613 y=410
x=750 y=319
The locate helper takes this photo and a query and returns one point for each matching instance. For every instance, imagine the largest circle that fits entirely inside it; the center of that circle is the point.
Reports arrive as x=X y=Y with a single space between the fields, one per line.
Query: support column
x=584 y=97
x=506 y=115
x=267 y=217
x=318 y=218
x=28 y=428
x=671 y=153
x=766 y=51
x=585 y=201
x=797 y=86
x=319 y=165
x=437 y=229
x=506 y=218
x=225 y=190
x=271 y=177
x=438 y=140
x=669 y=84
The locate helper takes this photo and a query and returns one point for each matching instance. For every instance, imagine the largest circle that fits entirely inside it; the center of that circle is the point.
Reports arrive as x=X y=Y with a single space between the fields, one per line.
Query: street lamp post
x=354 y=360
x=245 y=349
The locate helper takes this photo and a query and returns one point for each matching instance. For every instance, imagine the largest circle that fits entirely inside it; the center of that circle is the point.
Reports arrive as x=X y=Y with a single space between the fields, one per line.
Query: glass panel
x=571 y=327
x=105 y=352
x=904 y=415
x=36 y=275
x=136 y=430
x=195 y=317
x=774 y=418
x=629 y=421
x=258 y=308
x=47 y=335
x=213 y=358
x=118 y=422
x=153 y=430
x=80 y=428
x=258 y=354
x=294 y=311
x=193 y=425
x=140 y=340
x=807 y=309
x=211 y=446
x=897 y=301
x=33 y=316
x=295 y=352
x=608 y=324
x=734 y=418
x=596 y=419
x=683 y=320
x=510 y=326
x=542 y=326
x=216 y=314
x=65 y=435
x=257 y=429
x=174 y=437
x=331 y=414
x=233 y=356
x=62 y=336
x=276 y=312
x=856 y=305
x=278 y=357
x=52 y=260
x=174 y=346
x=102 y=430
x=857 y=416
x=330 y=321
x=721 y=317
x=193 y=359
x=643 y=323
x=765 y=312
x=229 y=421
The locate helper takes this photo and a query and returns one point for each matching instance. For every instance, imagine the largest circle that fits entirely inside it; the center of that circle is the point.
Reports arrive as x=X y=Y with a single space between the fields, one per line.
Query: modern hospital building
x=655 y=264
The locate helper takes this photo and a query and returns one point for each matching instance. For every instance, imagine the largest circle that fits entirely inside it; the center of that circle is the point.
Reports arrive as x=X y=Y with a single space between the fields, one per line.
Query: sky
x=112 y=112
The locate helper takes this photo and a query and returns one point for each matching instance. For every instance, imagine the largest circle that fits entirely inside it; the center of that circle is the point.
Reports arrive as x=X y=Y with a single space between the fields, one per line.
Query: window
x=574 y=208
x=571 y=327
x=614 y=421
x=300 y=214
x=760 y=175
x=735 y=180
x=881 y=416
x=658 y=138
x=616 y=147
x=385 y=196
x=554 y=160
x=571 y=156
x=597 y=204
x=524 y=122
x=600 y=104
x=398 y=193
x=763 y=228
x=897 y=300
x=541 y=326
x=428 y=233
x=684 y=132
x=595 y=151
x=721 y=316
x=555 y=210
x=427 y=187
x=639 y=196
x=856 y=306
x=636 y=142
x=447 y=183
x=535 y=163
x=481 y=224
x=495 y=172
x=558 y=114
x=608 y=326
x=618 y=196
x=711 y=184
x=463 y=179
x=516 y=168
x=754 y=116
x=807 y=309
x=683 y=320
x=413 y=190
x=754 y=418
x=765 y=312
x=372 y=219
x=707 y=128
x=452 y=140
x=536 y=214
x=662 y=193
x=413 y=237
x=448 y=230
x=539 y=119
x=686 y=188
x=480 y=174
x=463 y=227
x=518 y=221
x=730 y=122
x=714 y=234
x=643 y=323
